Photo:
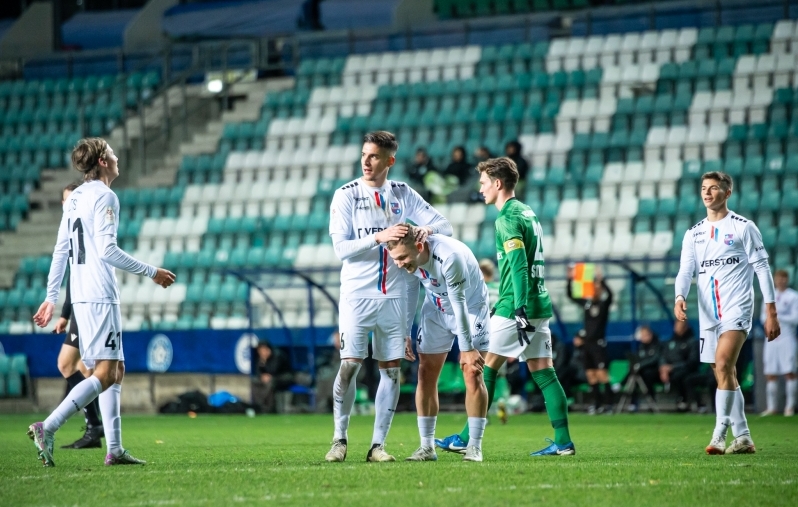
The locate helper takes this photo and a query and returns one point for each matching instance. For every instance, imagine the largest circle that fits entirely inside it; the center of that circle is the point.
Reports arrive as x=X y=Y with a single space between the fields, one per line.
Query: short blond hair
x=408 y=240
x=86 y=156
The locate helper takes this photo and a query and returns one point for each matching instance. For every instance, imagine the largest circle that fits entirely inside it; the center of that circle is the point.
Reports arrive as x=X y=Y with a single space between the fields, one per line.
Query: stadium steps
x=38 y=235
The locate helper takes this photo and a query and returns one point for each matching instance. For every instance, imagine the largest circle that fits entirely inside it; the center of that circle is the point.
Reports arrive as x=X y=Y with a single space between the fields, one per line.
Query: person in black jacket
x=72 y=368
x=459 y=166
x=272 y=374
x=594 y=350
x=646 y=362
x=512 y=150
x=678 y=361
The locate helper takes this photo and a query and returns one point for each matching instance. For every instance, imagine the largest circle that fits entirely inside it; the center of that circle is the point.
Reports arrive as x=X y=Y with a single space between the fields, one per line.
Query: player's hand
x=680 y=309
x=164 y=277
x=392 y=233
x=45 y=313
x=409 y=355
x=471 y=360
x=60 y=326
x=422 y=233
x=523 y=326
x=772 y=327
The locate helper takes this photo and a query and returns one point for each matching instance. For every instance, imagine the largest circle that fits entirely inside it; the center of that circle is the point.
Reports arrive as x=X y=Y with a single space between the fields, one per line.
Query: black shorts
x=594 y=355
x=72 y=337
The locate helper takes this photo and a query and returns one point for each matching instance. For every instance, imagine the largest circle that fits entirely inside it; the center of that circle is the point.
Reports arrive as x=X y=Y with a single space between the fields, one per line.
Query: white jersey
x=787 y=310
x=451 y=267
x=454 y=284
x=90 y=212
x=721 y=254
x=358 y=211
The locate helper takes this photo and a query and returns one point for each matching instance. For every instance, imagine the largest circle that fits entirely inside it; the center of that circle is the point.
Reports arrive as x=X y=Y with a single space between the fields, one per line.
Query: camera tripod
x=633 y=380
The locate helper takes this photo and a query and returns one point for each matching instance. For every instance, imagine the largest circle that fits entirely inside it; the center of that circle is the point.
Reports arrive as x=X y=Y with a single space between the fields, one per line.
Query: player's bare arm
x=772 y=327
x=392 y=233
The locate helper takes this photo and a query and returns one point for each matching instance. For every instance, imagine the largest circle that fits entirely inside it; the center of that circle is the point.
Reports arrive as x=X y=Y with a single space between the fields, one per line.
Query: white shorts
x=708 y=341
x=100 y=327
x=780 y=356
x=387 y=318
x=504 y=339
x=438 y=330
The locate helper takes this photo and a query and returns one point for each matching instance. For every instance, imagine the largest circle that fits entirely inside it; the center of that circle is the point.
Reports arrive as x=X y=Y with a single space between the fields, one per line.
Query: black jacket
x=596 y=314
x=681 y=351
x=648 y=354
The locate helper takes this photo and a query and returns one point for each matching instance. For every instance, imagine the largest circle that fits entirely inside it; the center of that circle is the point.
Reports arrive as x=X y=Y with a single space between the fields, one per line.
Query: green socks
x=556 y=403
x=489 y=375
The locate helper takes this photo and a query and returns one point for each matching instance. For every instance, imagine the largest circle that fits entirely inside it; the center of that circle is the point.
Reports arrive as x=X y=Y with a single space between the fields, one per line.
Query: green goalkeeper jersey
x=519 y=247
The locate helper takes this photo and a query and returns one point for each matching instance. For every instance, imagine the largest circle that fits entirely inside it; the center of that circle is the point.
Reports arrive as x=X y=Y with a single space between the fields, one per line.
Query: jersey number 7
x=81 y=256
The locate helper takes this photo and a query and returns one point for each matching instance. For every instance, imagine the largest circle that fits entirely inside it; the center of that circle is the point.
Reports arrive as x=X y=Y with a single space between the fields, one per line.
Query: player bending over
x=519 y=323
x=87 y=239
x=72 y=368
x=366 y=214
x=725 y=250
x=456 y=306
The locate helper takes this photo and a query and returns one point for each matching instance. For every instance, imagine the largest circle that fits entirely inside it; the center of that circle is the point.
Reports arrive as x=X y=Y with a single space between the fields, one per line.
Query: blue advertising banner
x=199 y=351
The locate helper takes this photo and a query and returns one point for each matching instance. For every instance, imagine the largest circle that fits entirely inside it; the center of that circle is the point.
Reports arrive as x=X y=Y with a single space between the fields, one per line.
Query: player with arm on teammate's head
x=456 y=306
x=87 y=240
x=365 y=214
x=780 y=354
x=520 y=318
x=724 y=250
x=72 y=368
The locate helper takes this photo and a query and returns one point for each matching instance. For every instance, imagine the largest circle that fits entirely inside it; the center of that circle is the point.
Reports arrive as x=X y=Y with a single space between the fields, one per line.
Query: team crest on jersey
x=728 y=239
x=395 y=209
x=109 y=214
x=434 y=282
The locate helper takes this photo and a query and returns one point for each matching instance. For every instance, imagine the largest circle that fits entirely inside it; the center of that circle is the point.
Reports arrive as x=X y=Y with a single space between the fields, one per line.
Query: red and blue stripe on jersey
x=380 y=200
x=435 y=299
x=714 y=284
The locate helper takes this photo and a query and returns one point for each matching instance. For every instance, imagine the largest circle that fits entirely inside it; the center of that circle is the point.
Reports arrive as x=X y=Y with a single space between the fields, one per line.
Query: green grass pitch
x=635 y=460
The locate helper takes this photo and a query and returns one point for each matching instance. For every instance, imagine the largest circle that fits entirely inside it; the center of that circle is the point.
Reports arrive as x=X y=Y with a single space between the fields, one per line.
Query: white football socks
x=476 y=428
x=791 y=385
x=723 y=407
x=110 y=401
x=385 y=404
x=426 y=429
x=344 y=390
x=74 y=402
x=772 y=394
x=739 y=423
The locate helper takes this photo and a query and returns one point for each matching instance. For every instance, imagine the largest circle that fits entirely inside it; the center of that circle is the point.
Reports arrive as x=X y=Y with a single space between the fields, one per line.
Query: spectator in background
x=678 y=361
x=459 y=167
x=512 y=150
x=421 y=166
x=645 y=362
x=482 y=154
x=272 y=374
x=594 y=350
x=780 y=354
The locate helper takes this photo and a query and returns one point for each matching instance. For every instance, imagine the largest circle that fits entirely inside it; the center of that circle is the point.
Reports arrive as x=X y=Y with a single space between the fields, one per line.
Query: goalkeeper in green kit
x=520 y=318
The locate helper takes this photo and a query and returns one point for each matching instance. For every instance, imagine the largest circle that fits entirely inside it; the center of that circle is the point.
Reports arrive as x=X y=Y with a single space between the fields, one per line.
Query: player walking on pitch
x=519 y=324
x=725 y=250
x=87 y=239
x=366 y=214
x=70 y=365
x=456 y=306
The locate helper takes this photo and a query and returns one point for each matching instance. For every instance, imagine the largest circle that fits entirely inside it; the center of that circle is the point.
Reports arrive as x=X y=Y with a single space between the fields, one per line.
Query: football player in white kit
x=725 y=250
x=780 y=354
x=87 y=240
x=364 y=215
x=456 y=306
